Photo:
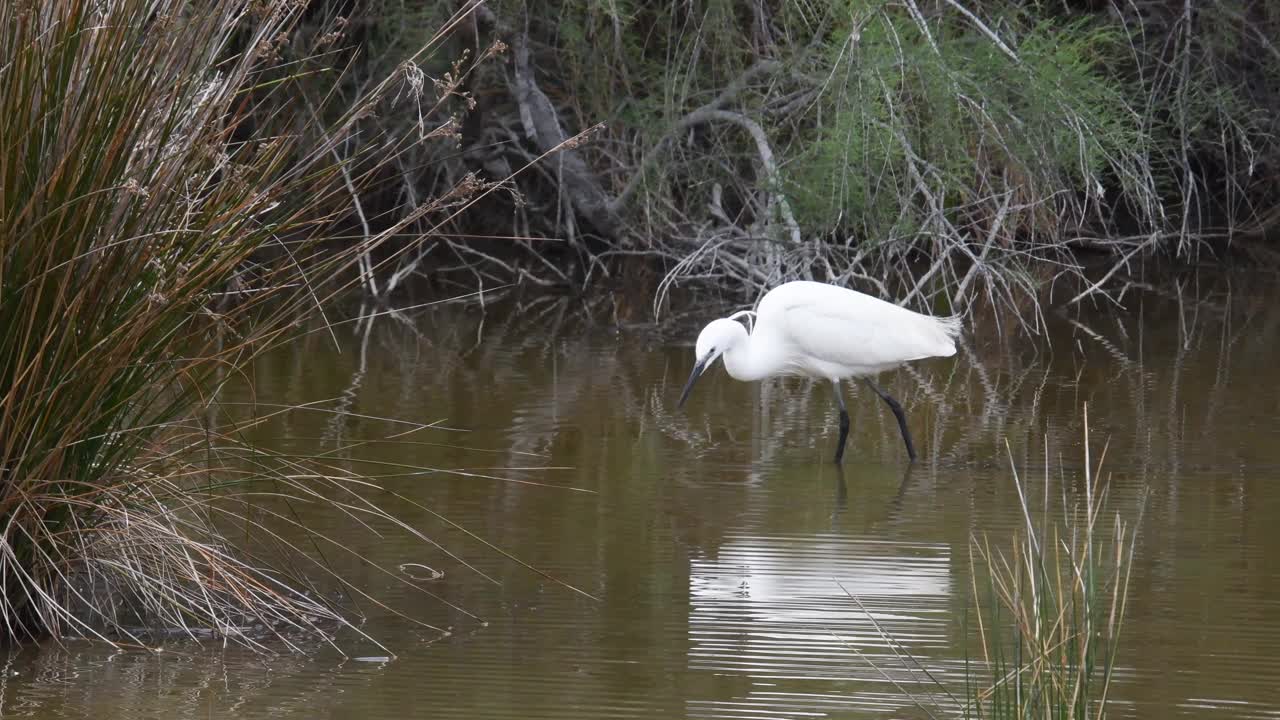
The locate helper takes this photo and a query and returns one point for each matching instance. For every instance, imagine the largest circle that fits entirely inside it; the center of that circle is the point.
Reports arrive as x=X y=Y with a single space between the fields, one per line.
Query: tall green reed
x=1050 y=609
x=1047 y=610
x=161 y=220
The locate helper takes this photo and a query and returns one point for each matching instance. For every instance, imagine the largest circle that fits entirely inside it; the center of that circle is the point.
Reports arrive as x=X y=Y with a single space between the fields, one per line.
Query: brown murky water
x=718 y=542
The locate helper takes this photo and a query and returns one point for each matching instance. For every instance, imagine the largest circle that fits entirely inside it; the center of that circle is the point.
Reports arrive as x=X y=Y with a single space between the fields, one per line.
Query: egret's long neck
x=750 y=360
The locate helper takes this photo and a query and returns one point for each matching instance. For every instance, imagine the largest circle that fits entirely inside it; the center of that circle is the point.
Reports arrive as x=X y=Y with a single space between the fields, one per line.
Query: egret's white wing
x=843 y=327
x=829 y=335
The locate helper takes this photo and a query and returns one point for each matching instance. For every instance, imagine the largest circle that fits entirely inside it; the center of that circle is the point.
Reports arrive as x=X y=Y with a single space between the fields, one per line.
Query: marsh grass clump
x=1046 y=611
x=162 y=208
x=1050 y=609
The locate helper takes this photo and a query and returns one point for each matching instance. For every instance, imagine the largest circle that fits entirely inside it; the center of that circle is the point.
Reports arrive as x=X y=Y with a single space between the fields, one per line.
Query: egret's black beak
x=700 y=366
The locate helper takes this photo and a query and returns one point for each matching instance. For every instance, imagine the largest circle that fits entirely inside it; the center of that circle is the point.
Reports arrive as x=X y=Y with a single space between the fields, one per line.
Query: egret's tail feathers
x=950 y=328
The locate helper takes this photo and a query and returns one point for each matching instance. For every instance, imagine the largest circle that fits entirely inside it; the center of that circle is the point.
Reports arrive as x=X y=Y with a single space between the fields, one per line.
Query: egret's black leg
x=844 y=422
x=842 y=492
x=898 y=413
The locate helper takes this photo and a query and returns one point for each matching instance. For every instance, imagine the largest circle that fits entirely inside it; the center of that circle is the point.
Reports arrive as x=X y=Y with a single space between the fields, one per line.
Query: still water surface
x=720 y=548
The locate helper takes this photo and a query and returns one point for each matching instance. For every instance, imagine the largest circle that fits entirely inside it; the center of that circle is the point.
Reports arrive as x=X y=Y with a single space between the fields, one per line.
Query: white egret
x=825 y=332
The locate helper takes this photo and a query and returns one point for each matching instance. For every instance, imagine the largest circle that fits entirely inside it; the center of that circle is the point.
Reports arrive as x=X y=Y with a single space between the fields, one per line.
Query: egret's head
x=717 y=338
